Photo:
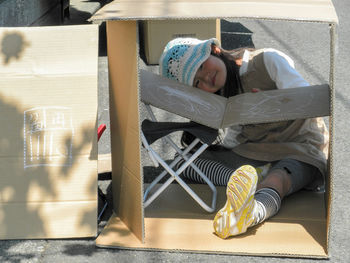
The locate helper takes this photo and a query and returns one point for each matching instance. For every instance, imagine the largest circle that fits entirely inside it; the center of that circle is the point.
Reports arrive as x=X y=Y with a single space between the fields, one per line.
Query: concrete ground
x=308 y=45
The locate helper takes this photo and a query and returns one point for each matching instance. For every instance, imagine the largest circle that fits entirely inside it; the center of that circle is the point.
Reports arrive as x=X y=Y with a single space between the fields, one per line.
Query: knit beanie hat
x=182 y=57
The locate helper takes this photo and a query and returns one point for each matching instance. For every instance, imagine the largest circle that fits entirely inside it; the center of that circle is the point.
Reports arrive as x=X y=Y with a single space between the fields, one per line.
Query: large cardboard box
x=48 y=144
x=173 y=221
x=157 y=33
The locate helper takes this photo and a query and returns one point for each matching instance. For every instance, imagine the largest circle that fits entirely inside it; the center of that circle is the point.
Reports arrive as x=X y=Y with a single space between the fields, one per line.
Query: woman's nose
x=207 y=79
x=204 y=76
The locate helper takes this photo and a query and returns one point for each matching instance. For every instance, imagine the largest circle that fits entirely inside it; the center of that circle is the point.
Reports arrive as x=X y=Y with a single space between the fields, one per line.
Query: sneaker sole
x=233 y=218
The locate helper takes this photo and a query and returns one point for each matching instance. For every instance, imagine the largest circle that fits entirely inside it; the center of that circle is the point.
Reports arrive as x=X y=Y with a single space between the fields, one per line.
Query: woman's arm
x=281 y=70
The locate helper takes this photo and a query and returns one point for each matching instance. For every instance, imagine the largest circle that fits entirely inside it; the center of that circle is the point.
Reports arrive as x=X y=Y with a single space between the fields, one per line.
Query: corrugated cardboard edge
x=263 y=10
x=330 y=185
x=140 y=142
x=216 y=252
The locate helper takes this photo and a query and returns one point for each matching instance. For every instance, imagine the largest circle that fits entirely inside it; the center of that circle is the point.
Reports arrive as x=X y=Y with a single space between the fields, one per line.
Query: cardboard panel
x=248 y=108
x=125 y=135
x=304 y=10
x=278 y=105
x=172 y=96
x=23 y=55
x=48 y=144
x=157 y=34
x=62 y=115
x=35 y=220
x=48 y=183
x=176 y=222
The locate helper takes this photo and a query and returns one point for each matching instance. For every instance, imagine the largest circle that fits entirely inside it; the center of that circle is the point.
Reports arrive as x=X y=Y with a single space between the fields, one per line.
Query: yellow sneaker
x=237 y=214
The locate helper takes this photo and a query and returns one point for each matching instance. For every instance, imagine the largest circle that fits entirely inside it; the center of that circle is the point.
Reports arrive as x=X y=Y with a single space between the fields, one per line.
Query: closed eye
x=196 y=83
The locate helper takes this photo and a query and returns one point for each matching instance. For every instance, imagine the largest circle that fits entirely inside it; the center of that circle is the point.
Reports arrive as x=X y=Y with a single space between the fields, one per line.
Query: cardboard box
x=157 y=33
x=173 y=221
x=48 y=138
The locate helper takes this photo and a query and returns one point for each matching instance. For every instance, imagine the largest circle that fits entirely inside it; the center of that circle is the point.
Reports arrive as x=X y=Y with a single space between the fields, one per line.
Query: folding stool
x=153 y=130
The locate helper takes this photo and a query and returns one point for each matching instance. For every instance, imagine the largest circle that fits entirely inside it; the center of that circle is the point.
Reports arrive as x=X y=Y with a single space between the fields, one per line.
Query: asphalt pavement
x=308 y=45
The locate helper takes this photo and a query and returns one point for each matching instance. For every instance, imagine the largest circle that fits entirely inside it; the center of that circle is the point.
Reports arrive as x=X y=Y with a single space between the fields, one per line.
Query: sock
x=217 y=173
x=268 y=203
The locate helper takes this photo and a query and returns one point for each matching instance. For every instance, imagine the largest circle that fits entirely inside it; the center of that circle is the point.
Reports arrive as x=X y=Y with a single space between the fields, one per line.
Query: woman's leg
x=288 y=176
x=218 y=166
x=285 y=177
x=277 y=179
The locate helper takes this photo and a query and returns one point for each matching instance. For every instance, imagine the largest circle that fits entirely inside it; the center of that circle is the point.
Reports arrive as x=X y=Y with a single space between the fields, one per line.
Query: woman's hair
x=233 y=85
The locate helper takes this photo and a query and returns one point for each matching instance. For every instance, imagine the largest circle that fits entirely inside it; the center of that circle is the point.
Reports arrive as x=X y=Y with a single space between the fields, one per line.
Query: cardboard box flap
x=23 y=56
x=248 y=108
x=176 y=222
x=48 y=138
x=278 y=105
x=186 y=101
x=124 y=125
x=301 y=10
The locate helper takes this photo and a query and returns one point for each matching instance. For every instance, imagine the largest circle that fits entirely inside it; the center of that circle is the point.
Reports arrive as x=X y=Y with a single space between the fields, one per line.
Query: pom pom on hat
x=182 y=57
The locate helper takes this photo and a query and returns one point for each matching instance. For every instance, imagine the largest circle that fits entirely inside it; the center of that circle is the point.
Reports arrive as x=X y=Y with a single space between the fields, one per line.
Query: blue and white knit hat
x=182 y=57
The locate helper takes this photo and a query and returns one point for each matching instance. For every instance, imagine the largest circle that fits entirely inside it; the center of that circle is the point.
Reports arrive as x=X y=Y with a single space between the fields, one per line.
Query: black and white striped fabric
x=217 y=173
x=268 y=200
x=269 y=203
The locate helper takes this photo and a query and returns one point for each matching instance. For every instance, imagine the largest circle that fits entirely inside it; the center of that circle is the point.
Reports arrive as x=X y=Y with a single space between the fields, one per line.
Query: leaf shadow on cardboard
x=25 y=190
x=13 y=45
x=15 y=186
x=32 y=177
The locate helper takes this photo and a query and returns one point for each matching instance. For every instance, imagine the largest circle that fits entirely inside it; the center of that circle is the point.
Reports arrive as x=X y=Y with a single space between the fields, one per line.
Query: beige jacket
x=305 y=140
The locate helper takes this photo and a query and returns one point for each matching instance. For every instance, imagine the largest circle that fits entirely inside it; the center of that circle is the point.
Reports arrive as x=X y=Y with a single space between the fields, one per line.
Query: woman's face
x=211 y=76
